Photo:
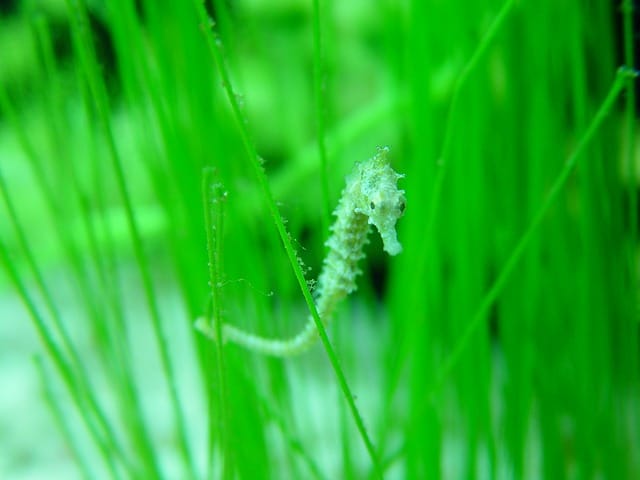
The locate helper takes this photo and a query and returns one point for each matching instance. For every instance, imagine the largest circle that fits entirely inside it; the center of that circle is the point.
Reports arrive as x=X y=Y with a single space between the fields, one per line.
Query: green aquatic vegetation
x=501 y=343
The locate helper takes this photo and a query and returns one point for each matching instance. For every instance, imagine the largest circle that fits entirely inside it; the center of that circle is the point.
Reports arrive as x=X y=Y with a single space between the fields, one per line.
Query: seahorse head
x=380 y=199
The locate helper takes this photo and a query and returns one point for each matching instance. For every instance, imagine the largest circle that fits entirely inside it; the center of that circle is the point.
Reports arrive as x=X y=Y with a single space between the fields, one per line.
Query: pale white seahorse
x=371 y=197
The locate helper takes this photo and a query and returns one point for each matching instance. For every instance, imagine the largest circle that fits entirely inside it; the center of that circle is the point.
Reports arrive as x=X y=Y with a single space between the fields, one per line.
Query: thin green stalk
x=294 y=443
x=320 y=107
x=131 y=408
x=52 y=95
x=630 y=121
x=424 y=258
x=425 y=253
x=67 y=358
x=623 y=77
x=256 y=162
x=83 y=43
x=442 y=162
x=67 y=347
x=63 y=423
x=213 y=198
x=119 y=353
x=52 y=203
x=106 y=442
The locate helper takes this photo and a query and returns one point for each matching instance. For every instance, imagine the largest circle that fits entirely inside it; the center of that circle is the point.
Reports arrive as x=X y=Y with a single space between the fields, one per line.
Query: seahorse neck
x=340 y=270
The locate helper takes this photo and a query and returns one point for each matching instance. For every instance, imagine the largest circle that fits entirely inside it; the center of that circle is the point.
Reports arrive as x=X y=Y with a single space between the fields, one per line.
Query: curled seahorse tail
x=267 y=346
x=274 y=347
x=203 y=326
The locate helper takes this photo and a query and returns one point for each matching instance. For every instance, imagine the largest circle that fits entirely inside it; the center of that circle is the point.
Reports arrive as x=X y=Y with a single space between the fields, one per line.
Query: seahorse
x=370 y=197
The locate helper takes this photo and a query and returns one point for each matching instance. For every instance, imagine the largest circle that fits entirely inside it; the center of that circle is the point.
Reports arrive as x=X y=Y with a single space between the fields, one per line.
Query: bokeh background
x=165 y=161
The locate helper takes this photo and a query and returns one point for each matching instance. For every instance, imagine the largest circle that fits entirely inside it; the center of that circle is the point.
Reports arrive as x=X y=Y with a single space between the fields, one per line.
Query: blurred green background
x=161 y=161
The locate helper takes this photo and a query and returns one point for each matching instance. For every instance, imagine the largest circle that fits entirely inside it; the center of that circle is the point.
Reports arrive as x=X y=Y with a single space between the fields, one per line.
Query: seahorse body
x=370 y=197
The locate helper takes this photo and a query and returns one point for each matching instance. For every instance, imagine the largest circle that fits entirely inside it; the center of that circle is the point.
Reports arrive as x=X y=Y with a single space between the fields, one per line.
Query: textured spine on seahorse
x=370 y=197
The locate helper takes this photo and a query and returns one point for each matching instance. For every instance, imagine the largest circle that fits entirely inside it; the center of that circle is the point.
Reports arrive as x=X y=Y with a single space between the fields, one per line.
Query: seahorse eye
x=401 y=207
x=372 y=205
